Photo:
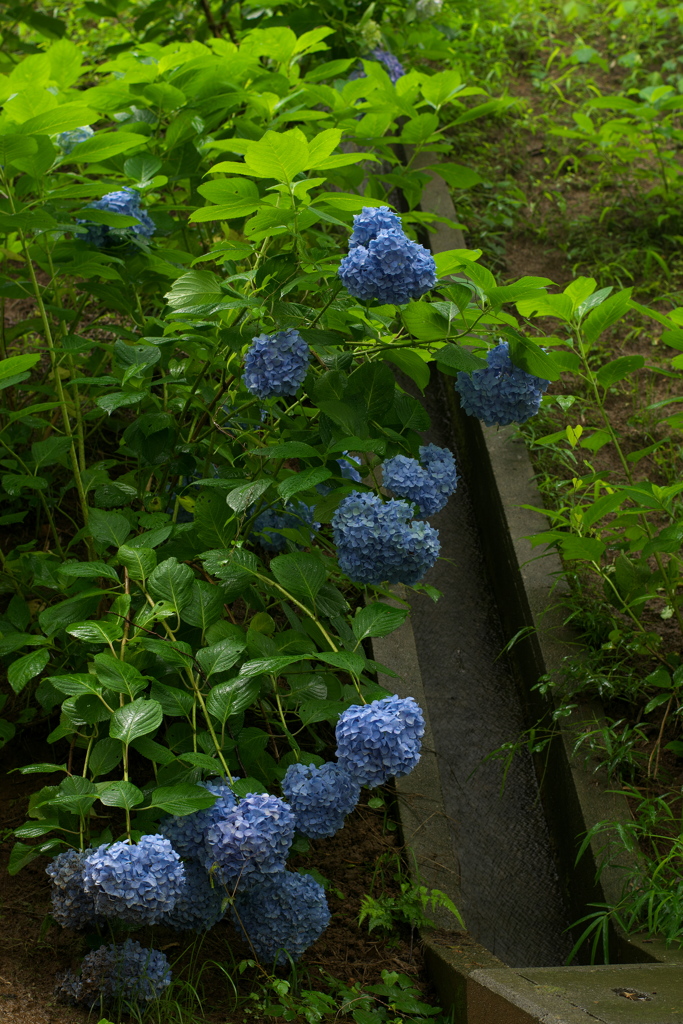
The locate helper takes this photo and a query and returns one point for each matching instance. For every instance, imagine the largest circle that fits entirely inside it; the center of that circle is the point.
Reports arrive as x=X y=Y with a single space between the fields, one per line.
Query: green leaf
x=617 y=369
x=279 y=155
x=118 y=675
x=105 y=756
x=269 y=666
x=140 y=717
x=213 y=519
x=300 y=573
x=26 y=668
x=172 y=581
x=306 y=480
x=240 y=498
x=46 y=453
x=455 y=175
x=424 y=322
x=107 y=528
x=606 y=314
x=182 y=799
x=347 y=661
x=96 y=632
x=22 y=854
x=244 y=787
x=139 y=562
x=17 y=364
x=205 y=605
x=374 y=383
x=174 y=652
x=530 y=356
x=153 y=751
x=377 y=620
x=411 y=364
x=232 y=697
x=174 y=701
x=287 y=450
x=585 y=548
x=104 y=145
x=67 y=612
x=419 y=128
x=452 y=359
x=221 y=656
x=121 y=794
x=88 y=570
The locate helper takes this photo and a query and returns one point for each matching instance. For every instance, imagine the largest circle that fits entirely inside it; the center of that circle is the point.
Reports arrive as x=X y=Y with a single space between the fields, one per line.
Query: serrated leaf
x=377 y=620
x=26 y=668
x=300 y=573
x=306 y=480
x=182 y=799
x=107 y=528
x=105 y=756
x=240 y=498
x=348 y=661
x=96 y=632
x=139 y=562
x=617 y=369
x=139 y=718
x=121 y=794
x=205 y=605
x=172 y=581
x=221 y=656
x=88 y=570
x=231 y=697
x=118 y=675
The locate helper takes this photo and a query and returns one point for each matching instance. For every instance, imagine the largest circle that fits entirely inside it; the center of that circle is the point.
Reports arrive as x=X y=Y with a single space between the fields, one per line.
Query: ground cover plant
x=586 y=181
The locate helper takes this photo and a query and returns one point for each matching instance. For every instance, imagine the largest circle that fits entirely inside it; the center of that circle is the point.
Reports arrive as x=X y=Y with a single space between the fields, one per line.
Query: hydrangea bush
x=252 y=374
x=501 y=393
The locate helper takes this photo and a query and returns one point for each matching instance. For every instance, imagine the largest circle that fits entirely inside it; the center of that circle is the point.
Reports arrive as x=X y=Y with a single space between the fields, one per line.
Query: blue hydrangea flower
x=376 y=542
x=320 y=797
x=500 y=392
x=125 y=973
x=137 y=884
x=67 y=140
x=126 y=201
x=251 y=842
x=429 y=487
x=391 y=269
x=370 y=221
x=72 y=907
x=200 y=905
x=272 y=519
x=381 y=740
x=282 y=916
x=186 y=832
x=276 y=364
x=347 y=471
x=393 y=65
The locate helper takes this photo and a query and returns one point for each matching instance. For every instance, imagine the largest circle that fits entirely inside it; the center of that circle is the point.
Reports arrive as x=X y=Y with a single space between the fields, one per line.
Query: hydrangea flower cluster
x=126 y=201
x=72 y=907
x=67 y=140
x=138 y=884
x=387 y=266
x=349 y=472
x=276 y=364
x=500 y=392
x=283 y=916
x=376 y=542
x=275 y=519
x=429 y=487
x=250 y=842
x=126 y=973
x=199 y=906
x=381 y=740
x=186 y=832
x=320 y=797
x=393 y=65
